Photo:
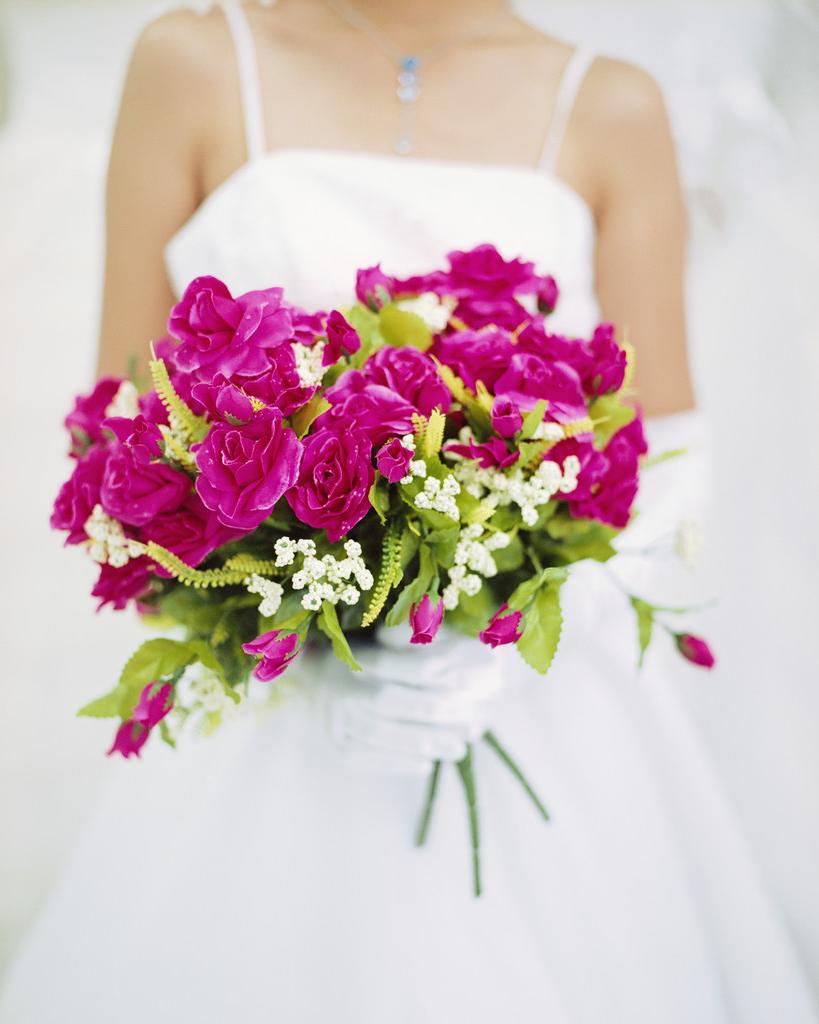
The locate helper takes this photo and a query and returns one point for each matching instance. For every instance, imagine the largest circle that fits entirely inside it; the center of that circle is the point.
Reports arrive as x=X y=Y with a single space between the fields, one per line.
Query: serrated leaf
x=414 y=591
x=401 y=328
x=541 y=634
x=533 y=419
x=328 y=623
x=524 y=592
x=204 y=653
x=645 y=624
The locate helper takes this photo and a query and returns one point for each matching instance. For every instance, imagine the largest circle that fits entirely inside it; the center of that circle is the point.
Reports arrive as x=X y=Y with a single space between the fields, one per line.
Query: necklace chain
x=407 y=65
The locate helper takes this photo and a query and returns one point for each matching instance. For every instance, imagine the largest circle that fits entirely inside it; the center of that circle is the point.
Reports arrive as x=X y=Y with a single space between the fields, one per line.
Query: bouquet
x=433 y=452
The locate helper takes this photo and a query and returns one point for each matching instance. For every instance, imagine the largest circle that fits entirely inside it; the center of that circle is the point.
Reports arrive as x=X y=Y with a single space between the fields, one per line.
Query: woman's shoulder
x=622 y=92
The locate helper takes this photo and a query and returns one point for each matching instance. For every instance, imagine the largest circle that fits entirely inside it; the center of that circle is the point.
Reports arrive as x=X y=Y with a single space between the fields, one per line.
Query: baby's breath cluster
x=433 y=310
x=107 y=543
x=309 y=364
x=125 y=402
x=327 y=578
x=498 y=487
x=269 y=590
x=473 y=559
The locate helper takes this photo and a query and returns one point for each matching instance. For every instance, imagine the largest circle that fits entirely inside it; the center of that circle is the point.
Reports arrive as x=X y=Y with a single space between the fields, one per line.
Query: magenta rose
x=593 y=466
x=307 y=327
x=425 y=620
x=372 y=408
x=614 y=491
x=606 y=367
x=79 y=494
x=506 y=417
x=393 y=460
x=342 y=339
x=118 y=586
x=138 y=435
x=154 y=703
x=224 y=401
x=529 y=378
x=410 y=374
x=84 y=422
x=192 y=531
x=246 y=469
x=476 y=356
x=220 y=334
x=370 y=284
x=695 y=649
x=437 y=281
x=134 y=493
x=276 y=651
x=503 y=628
x=332 y=492
x=501 y=311
x=483 y=273
x=490 y=454
x=280 y=384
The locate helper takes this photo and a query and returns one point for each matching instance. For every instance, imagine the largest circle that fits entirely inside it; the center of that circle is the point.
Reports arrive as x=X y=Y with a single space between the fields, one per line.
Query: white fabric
x=261 y=876
x=571 y=81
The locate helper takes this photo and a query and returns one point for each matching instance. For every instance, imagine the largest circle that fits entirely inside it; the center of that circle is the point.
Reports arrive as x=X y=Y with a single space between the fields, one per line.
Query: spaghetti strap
x=576 y=67
x=249 y=83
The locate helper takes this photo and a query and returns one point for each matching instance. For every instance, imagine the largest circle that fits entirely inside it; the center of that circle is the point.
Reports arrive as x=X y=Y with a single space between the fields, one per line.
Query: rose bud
x=393 y=460
x=547 y=294
x=694 y=649
x=506 y=417
x=502 y=628
x=277 y=650
x=425 y=620
x=342 y=339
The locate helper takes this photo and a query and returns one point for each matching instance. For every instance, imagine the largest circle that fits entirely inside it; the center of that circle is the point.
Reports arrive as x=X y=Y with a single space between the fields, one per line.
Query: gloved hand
x=413 y=704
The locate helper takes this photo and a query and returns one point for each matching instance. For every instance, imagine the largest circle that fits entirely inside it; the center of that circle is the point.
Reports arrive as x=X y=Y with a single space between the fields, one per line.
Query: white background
x=741 y=81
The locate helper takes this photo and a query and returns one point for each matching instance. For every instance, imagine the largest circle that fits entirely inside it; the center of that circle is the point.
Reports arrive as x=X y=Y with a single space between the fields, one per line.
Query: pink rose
x=606 y=366
x=475 y=356
x=135 y=493
x=529 y=378
x=437 y=282
x=220 y=334
x=307 y=327
x=224 y=401
x=118 y=586
x=502 y=628
x=246 y=469
x=500 y=311
x=393 y=460
x=192 y=532
x=410 y=374
x=615 y=488
x=506 y=417
x=79 y=494
x=342 y=339
x=280 y=384
x=153 y=705
x=425 y=620
x=483 y=273
x=276 y=649
x=84 y=422
x=370 y=285
x=332 y=492
x=138 y=435
x=373 y=408
x=695 y=649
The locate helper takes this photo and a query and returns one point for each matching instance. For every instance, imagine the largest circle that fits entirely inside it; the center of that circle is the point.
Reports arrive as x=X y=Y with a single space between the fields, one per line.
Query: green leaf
x=661 y=457
x=152 y=661
x=645 y=624
x=524 y=592
x=533 y=419
x=204 y=653
x=365 y=322
x=541 y=633
x=401 y=328
x=414 y=591
x=510 y=557
x=380 y=497
x=303 y=418
x=613 y=415
x=328 y=623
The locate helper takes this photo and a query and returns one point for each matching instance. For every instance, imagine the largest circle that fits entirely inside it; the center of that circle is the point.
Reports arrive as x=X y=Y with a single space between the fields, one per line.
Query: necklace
x=407 y=69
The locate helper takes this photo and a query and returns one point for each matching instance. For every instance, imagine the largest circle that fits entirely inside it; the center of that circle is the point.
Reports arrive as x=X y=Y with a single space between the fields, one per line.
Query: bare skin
x=487 y=99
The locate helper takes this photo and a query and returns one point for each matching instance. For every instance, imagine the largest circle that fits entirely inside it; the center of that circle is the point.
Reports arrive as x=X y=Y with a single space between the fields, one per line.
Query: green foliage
x=389 y=575
x=365 y=322
x=303 y=418
x=511 y=557
x=328 y=623
x=544 y=622
x=610 y=414
x=234 y=571
x=434 y=433
x=179 y=413
x=657 y=460
x=380 y=497
x=414 y=591
x=400 y=328
x=645 y=624
x=533 y=419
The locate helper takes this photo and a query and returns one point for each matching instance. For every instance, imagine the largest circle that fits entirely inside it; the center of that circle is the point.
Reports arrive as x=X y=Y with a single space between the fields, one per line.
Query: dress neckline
x=404 y=163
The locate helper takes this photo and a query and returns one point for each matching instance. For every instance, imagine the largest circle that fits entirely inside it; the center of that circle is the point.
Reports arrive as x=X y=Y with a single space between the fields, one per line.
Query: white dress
x=258 y=876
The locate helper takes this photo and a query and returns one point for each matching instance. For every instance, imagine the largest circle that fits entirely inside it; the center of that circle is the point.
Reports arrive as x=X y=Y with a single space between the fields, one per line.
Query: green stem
x=514 y=768
x=465 y=770
x=426 y=814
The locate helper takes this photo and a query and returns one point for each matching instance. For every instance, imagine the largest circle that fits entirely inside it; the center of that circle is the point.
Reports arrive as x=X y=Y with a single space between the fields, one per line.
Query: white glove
x=412 y=705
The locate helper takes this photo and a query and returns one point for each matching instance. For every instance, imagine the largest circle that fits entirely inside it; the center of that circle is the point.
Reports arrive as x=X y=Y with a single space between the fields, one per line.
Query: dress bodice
x=307 y=219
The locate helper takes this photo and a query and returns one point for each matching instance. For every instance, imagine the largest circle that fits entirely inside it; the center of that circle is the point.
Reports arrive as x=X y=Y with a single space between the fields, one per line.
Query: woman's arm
x=632 y=176
x=153 y=183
